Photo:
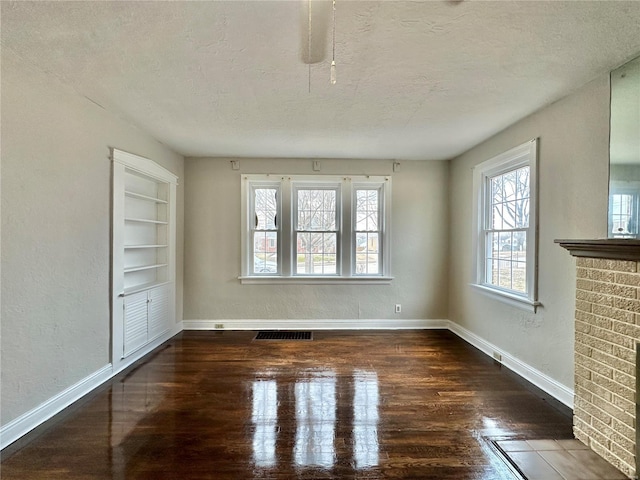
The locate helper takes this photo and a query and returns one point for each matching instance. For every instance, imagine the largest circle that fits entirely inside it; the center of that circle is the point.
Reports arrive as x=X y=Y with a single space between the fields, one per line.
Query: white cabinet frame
x=125 y=164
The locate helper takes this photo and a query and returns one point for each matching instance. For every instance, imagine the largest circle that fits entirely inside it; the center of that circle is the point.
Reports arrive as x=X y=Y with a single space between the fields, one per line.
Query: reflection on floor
x=348 y=405
x=557 y=460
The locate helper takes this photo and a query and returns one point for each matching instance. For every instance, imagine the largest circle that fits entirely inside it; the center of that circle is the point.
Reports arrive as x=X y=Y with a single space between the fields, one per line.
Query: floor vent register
x=284 y=335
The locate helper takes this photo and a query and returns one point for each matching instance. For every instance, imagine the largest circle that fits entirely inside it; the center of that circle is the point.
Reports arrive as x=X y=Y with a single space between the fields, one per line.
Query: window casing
x=325 y=229
x=505 y=244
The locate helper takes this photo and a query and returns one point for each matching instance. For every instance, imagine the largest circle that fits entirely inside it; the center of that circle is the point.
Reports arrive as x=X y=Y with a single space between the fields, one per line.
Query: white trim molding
x=148 y=348
x=557 y=390
x=342 y=225
x=32 y=419
x=340 y=324
x=143 y=165
x=26 y=422
x=308 y=280
x=486 y=225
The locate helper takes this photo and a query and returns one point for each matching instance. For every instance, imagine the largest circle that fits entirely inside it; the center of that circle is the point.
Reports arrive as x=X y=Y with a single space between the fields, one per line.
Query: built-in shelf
x=144 y=197
x=143 y=255
x=146 y=220
x=142 y=288
x=144 y=267
x=607 y=248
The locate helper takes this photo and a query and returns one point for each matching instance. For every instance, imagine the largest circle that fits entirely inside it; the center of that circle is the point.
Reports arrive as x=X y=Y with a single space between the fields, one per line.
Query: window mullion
x=285 y=228
x=347 y=234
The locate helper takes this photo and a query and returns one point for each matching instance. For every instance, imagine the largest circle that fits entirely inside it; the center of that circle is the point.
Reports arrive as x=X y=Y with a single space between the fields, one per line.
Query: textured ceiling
x=416 y=80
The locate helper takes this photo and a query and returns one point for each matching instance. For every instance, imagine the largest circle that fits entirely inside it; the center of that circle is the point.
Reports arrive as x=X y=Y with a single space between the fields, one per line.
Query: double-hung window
x=263 y=228
x=367 y=229
x=317 y=235
x=506 y=225
x=315 y=229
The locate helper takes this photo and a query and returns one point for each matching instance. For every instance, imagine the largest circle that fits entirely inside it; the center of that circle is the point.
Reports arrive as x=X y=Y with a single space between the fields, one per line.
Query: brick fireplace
x=607 y=335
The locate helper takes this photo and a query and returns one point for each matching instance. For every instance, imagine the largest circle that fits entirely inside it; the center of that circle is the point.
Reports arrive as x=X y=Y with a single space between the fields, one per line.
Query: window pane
x=510 y=200
x=496 y=218
x=266 y=208
x=520 y=244
x=316 y=209
x=522 y=213
x=509 y=214
x=519 y=276
x=522 y=183
x=492 y=272
x=496 y=190
x=367 y=210
x=367 y=253
x=265 y=252
x=504 y=274
x=316 y=253
x=509 y=187
x=504 y=242
x=493 y=246
x=505 y=260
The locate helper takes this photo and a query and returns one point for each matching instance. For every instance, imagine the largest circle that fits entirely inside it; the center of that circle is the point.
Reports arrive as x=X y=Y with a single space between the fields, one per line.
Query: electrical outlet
x=398 y=308
x=219 y=326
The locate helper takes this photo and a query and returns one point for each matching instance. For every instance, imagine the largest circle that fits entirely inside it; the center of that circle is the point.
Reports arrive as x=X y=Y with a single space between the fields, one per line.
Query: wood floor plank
x=366 y=405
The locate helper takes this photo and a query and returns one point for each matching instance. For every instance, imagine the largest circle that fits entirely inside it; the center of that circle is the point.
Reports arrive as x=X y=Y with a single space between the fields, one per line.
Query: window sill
x=275 y=280
x=509 y=298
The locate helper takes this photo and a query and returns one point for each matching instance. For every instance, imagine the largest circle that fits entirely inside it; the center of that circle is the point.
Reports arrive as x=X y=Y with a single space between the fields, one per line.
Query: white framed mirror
x=624 y=152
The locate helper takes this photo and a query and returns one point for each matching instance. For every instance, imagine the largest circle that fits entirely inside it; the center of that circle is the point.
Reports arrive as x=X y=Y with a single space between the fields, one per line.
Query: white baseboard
x=26 y=422
x=20 y=426
x=288 y=324
x=526 y=371
x=137 y=355
x=35 y=417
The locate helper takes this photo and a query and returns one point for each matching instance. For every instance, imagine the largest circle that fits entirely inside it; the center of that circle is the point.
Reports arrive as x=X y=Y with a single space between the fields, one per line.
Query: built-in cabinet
x=144 y=233
x=146 y=317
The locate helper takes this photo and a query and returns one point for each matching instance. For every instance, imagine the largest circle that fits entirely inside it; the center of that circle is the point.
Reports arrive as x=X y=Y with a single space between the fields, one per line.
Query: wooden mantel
x=609 y=248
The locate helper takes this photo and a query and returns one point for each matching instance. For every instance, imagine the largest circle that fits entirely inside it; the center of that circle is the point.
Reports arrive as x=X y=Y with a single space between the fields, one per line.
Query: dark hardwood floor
x=352 y=405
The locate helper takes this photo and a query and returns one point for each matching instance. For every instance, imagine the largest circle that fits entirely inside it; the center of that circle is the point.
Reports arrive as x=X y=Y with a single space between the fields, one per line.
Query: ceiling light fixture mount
x=309 y=42
x=333 y=57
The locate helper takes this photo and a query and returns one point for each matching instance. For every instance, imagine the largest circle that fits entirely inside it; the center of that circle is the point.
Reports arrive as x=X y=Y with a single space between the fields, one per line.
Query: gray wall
x=56 y=177
x=573 y=183
x=212 y=248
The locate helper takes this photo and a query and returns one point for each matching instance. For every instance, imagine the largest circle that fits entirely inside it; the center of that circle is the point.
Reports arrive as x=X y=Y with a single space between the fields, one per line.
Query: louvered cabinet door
x=158 y=311
x=135 y=322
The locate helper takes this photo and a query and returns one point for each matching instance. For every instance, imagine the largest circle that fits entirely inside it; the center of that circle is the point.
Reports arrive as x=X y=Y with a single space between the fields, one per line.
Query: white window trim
x=522 y=155
x=286 y=233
